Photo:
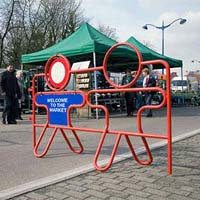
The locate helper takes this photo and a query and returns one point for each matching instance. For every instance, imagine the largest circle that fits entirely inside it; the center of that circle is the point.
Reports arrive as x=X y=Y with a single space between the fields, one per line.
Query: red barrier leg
x=69 y=144
x=48 y=144
x=112 y=155
x=148 y=152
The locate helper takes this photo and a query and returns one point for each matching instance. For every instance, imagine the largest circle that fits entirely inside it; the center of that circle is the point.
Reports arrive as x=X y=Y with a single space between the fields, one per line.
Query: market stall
x=88 y=44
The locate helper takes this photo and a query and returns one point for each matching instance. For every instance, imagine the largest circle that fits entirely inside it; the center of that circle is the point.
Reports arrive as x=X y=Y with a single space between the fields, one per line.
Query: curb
x=43 y=182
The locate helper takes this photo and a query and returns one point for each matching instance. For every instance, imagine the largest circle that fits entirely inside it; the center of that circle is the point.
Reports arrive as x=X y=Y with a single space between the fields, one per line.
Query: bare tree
x=108 y=31
x=31 y=25
x=7 y=10
x=66 y=17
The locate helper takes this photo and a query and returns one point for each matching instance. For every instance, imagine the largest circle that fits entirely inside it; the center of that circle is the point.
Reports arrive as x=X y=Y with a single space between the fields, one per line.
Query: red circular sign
x=57 y=72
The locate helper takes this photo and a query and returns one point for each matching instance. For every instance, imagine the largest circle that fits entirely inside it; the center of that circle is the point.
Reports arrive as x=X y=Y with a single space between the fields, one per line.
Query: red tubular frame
x=37 y=143
x=86 y=97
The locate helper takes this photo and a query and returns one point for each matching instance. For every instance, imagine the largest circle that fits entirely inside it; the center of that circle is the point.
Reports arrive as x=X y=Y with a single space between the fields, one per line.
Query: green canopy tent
x=79 y=46
x=87 y=42
x=149 y=54
x=84 y=44
x=84 y=41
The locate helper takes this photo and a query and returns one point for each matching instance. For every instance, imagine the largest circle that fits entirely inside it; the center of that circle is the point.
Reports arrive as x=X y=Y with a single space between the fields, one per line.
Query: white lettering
x=61 y=105
x=58 y=109
x=57 y=100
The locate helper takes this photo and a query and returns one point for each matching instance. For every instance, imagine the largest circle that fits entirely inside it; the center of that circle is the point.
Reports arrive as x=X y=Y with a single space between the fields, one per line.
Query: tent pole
x=95 y=83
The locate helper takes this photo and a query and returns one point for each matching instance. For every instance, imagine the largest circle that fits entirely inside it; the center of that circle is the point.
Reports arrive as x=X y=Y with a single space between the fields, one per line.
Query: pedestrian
x=19 y=76
x=148 y=81
x=10 y=89
x=129 y=96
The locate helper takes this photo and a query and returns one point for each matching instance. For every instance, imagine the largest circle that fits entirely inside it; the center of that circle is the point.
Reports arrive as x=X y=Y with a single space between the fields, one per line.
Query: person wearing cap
x=129 y=96
x=10 y=89
x=148 y=81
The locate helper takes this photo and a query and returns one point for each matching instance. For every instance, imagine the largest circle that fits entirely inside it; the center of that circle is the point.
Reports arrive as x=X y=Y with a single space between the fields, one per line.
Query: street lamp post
x=163 y=27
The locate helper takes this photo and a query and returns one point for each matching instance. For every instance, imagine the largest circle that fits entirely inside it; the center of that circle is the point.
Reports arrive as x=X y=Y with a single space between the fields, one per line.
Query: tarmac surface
x=125 y=180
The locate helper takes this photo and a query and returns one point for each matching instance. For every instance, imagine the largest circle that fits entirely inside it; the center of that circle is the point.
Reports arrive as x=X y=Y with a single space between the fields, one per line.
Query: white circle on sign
x=58 y=72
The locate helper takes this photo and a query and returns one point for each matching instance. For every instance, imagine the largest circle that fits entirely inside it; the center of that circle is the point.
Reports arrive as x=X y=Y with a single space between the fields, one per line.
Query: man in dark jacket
x=148 y=81
x=129 y=96
x=10 y=89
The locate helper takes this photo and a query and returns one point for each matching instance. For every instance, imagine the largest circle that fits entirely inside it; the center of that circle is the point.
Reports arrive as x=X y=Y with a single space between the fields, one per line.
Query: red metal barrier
x=58 y=90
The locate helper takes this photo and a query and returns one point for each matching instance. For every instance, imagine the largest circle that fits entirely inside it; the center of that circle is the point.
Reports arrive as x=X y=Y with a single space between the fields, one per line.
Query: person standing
x=19 y=76
x=148 y=81
x=129 y=96
x=10 y=89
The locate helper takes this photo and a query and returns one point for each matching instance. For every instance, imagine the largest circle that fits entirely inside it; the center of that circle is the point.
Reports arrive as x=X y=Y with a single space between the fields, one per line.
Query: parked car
x=179 y=84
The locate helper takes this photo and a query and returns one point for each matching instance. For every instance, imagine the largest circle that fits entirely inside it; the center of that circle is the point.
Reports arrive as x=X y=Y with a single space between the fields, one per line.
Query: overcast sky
x=128 y=17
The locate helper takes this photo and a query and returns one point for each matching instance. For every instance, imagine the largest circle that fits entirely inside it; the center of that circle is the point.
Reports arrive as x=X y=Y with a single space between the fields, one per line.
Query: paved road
x=128 y=180
x=19 y=166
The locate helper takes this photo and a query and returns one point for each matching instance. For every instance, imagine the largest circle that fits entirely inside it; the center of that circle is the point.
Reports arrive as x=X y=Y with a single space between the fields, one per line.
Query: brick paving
x=131 y=181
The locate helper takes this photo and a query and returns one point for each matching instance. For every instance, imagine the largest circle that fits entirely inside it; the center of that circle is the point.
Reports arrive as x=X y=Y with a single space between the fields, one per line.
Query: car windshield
x=179 y=83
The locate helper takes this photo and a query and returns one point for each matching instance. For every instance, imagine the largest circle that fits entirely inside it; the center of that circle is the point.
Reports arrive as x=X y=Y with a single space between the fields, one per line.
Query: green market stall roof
x=149 y=54
x=79 y=46
x=86 y=40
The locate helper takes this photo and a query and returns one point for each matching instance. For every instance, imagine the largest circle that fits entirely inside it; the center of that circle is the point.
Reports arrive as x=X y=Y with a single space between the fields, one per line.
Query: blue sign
x=58 y=105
